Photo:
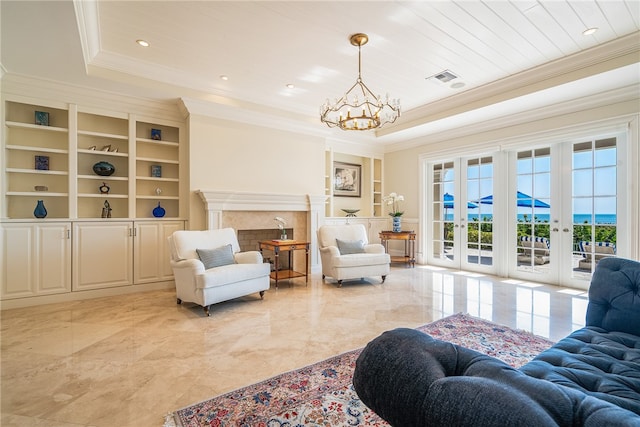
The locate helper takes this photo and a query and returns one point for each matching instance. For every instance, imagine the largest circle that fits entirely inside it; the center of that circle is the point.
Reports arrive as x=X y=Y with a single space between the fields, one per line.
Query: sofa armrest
x=248 y=257
x=374 y=248
x=411 y=379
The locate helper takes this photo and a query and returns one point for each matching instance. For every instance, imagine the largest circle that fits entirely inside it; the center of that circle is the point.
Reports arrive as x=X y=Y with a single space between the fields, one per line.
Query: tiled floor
x=129 y=360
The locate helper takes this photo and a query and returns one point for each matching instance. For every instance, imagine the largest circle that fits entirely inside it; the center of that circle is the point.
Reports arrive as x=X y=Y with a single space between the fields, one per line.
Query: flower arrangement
x=281 y=223
x=393 y=200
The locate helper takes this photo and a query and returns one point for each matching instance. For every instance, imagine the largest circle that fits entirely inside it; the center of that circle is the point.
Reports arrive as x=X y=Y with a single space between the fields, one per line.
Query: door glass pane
x=479 y=211
x=533 y=203
x=443 y=210
x=594 y=202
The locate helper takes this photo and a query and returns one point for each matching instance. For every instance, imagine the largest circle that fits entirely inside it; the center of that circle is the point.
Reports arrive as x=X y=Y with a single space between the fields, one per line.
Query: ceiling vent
x=443 y=77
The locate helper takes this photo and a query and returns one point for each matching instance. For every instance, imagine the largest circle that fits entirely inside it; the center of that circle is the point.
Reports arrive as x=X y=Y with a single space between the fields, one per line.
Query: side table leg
x=306 y=267
x=276 y=264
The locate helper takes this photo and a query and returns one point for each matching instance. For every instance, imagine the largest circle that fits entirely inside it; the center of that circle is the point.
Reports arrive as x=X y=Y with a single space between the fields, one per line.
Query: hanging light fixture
x=359 y=108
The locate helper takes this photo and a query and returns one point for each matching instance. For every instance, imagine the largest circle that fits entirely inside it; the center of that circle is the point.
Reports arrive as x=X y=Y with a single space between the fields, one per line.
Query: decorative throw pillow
x=216 y=257
x=350 y=246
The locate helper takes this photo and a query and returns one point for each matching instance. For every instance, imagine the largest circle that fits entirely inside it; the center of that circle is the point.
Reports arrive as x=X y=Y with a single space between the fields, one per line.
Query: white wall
x=225 y=155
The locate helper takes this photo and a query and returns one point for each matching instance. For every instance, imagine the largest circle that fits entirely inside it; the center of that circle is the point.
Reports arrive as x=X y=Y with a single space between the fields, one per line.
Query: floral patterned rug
x=322 y=394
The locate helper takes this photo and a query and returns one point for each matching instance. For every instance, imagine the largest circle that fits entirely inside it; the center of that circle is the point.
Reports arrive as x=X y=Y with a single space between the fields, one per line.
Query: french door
x=459 y=193
x=564 y=209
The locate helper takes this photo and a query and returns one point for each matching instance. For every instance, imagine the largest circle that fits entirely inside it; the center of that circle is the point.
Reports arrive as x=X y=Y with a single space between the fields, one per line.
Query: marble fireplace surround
x=256 y=211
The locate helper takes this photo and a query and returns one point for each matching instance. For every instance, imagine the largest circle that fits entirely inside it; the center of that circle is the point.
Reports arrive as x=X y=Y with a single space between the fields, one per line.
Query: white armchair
x=231 y=273
x=346 y=253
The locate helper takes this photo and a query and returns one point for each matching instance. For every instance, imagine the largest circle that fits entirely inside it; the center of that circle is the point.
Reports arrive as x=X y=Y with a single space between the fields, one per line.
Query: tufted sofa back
x=614 y=296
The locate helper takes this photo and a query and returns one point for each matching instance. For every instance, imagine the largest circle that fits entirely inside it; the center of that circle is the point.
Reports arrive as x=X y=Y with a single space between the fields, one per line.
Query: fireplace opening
x=248 y=241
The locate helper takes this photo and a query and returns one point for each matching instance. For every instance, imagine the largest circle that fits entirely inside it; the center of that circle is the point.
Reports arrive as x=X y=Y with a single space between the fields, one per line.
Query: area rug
x=322 y=394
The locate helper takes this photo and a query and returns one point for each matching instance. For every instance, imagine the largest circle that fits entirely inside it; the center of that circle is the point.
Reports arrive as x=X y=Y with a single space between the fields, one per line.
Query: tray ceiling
x=262 y=46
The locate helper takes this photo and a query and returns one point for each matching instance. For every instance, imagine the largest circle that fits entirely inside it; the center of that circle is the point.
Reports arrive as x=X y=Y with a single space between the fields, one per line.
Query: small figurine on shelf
x=106 y=210
x=156 y=134
x=104 y=188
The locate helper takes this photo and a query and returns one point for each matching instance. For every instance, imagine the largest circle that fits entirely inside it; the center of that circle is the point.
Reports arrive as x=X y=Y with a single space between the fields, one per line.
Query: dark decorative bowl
x=104 y=168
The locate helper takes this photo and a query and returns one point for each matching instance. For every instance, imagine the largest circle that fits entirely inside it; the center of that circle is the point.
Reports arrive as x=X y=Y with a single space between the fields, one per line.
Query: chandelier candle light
x=376 y=112
x=393 y=200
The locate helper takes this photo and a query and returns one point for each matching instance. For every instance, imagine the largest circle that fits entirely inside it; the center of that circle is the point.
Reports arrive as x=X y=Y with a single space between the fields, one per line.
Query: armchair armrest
x=374 y=248
x=330 y=250
x=248 y=257
x=195 y=266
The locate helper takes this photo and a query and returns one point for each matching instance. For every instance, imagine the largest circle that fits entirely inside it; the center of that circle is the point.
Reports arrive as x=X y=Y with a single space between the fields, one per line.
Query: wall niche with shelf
x=157 y=169
x=36 y=167
x=369 y=204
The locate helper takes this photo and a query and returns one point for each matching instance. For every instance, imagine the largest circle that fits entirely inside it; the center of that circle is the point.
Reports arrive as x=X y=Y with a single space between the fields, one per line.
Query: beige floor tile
x=129 y=360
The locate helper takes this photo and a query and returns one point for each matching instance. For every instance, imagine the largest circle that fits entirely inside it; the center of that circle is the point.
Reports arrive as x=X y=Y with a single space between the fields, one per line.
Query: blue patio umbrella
x=524 y=200
x=448 y=202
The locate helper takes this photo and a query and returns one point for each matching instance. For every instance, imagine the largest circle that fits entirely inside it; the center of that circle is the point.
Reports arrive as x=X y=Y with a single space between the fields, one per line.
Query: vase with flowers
x=281 y=223
x=393 y=200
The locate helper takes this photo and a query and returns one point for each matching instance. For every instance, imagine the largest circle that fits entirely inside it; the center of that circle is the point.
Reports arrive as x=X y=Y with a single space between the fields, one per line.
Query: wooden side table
x=278 y=246
x=409 y=238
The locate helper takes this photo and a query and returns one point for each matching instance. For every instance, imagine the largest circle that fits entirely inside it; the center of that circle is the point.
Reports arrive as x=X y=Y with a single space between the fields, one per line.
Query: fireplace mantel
x=245 y=201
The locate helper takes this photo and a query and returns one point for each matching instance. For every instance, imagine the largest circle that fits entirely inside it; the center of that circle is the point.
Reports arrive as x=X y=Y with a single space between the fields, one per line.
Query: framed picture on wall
x=346 y=179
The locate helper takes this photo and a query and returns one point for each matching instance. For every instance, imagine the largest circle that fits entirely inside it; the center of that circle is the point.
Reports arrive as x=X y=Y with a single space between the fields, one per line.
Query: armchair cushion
x=350 y=246
x=231 y=274
x=217 y=257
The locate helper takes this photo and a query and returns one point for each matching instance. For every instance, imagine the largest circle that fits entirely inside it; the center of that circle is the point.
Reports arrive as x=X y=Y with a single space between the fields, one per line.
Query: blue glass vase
x=397 y=224
x=158 y=211
x=40 y=211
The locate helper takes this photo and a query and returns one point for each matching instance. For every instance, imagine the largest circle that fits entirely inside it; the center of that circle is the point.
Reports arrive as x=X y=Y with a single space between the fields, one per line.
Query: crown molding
x=625 y=99
x=88 y=28
x=57 y=92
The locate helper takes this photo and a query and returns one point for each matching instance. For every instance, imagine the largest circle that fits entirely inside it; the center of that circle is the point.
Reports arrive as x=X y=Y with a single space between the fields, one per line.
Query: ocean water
x=609 y=219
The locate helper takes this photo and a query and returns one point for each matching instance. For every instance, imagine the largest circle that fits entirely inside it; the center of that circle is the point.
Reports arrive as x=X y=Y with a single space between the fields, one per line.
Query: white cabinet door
x=36 y=259
x=152 y=252
x=103 y=255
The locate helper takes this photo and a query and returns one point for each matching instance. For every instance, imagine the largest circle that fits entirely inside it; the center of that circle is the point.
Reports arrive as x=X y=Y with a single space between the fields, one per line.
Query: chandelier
x=359 y=108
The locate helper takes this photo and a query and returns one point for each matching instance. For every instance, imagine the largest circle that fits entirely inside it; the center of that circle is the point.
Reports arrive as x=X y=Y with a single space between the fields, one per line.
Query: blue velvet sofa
x=589 y=378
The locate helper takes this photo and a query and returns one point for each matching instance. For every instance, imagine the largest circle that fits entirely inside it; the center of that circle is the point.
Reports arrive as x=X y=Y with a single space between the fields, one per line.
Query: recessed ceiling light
x=143 y=43
x=223 y=77
x=589 y=31
x=290 y=86
x=457 y=85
